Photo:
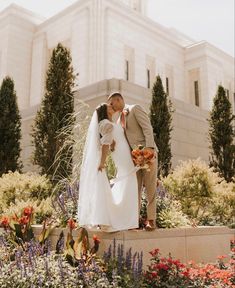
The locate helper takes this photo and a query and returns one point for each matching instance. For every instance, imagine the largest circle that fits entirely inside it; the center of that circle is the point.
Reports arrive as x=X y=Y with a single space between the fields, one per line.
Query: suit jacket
x=139 y=130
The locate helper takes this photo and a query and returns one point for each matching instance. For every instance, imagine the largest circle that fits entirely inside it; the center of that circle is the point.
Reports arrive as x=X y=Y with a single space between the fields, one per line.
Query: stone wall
x=201 y=244
x=190 y=127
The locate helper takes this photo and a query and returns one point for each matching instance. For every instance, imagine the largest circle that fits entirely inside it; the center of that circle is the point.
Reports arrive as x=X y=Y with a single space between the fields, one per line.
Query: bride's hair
x=102 y=112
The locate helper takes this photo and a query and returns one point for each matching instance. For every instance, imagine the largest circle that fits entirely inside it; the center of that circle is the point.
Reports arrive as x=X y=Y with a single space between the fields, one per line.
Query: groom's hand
x=150 y=149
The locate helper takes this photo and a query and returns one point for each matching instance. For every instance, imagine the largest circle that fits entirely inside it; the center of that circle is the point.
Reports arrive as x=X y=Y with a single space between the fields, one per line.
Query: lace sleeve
x=105 y=130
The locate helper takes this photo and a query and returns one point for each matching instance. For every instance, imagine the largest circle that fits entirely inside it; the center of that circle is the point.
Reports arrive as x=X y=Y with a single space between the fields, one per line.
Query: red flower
x=162 y=266
x=28 y=211
x=154 y=274
x=5 y=221
x=96 y=239
x=24 y=220
x=185 y=273
x=72 y=224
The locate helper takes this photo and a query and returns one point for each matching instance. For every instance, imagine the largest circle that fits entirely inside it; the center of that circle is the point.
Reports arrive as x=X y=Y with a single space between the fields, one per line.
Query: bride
x=99 y=205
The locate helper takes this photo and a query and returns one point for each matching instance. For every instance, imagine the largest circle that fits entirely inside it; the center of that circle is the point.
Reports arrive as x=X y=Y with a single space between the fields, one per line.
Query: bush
x=49 y=270
x=111 y=169
x=168 y=211
x=16 y=186
x=204 y=195
x=32 y=264
x=42 y=208
x=170 y=214
x=223 y=208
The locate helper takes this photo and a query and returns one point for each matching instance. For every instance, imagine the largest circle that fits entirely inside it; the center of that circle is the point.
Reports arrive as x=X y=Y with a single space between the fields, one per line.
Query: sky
x=210 y=20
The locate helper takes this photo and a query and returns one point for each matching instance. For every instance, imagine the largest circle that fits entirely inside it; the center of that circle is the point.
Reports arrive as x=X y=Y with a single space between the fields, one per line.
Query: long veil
x=88 y=174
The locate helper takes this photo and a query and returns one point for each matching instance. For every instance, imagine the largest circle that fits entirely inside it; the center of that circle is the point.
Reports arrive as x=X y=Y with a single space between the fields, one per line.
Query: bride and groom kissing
x=116 y=207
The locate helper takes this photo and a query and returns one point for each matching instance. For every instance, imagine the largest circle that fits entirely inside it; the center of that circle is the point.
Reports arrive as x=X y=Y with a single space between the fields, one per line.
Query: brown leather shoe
x=150 y=225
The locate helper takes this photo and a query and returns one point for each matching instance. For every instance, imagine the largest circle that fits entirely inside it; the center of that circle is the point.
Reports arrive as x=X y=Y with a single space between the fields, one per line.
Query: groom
x=138 y=131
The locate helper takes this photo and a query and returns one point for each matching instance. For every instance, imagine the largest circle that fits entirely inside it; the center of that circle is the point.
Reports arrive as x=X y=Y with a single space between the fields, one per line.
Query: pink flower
x=154 y=252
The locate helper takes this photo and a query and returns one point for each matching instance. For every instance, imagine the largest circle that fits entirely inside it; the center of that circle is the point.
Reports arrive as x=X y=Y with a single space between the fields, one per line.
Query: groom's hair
x=115 y=94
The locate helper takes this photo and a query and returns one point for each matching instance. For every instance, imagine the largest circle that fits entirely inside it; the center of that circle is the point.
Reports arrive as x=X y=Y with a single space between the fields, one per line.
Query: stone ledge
x=201 y=244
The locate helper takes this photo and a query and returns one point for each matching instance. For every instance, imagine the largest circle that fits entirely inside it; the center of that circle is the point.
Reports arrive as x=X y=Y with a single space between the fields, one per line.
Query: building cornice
x=143 y=21
x=118 y=7
x=21 y=12
x=72 y=9
x=208 y=47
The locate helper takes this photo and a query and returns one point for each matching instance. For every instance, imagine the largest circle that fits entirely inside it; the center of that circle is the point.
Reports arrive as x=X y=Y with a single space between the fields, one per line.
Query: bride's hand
x=112 y=146
x=101 y=167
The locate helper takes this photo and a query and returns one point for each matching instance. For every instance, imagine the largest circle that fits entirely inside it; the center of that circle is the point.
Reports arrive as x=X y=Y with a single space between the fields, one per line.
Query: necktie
x=123 y=123
x=123 y=120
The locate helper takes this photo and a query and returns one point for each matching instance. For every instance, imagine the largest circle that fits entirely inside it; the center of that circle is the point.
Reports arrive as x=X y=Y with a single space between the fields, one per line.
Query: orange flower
x=5 y=221
x=142 y=157
x=28 y=211
x=221 y=257
x=148 y=153
x=72 y=224
x=137 y=152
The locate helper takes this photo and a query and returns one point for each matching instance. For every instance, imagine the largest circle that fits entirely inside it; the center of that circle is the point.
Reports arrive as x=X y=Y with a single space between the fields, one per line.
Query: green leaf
x=81 y=244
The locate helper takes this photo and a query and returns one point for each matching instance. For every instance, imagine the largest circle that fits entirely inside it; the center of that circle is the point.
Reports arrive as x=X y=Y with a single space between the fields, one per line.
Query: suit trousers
x=149 y=180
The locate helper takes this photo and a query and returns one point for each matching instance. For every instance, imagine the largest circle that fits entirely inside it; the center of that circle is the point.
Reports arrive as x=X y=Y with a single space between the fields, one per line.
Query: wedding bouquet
x=142 y=158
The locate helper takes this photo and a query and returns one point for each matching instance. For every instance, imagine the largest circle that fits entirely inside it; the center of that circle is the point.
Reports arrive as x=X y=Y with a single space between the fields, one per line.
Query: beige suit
x=140 y=132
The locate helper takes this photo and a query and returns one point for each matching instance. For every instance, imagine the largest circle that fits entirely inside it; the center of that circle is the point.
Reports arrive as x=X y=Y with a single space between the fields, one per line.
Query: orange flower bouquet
x=142 y=158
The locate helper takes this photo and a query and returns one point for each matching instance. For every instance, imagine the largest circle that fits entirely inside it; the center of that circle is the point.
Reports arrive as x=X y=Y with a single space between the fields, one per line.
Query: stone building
x=115 y=46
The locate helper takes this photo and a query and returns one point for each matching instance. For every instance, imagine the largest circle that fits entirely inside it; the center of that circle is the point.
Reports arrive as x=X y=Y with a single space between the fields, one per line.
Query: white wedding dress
x=113 y=208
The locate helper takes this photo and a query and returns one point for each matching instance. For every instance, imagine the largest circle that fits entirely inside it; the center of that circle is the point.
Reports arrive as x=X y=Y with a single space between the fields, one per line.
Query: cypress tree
x=221 y=134
x=10 y=128
x=55 y=114
x=161 y=119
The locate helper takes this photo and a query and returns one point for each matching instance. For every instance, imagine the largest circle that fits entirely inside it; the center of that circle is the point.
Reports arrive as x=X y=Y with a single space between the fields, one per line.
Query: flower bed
x=33 y=264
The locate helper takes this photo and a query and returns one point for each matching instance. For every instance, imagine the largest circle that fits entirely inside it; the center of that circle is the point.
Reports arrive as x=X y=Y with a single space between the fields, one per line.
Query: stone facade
x=190 y=127
x=114 y=39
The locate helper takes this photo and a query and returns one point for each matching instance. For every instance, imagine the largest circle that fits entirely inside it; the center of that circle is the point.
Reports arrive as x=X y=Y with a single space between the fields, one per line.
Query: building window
x=129 y=64
x=127 y=70
x=169 y=80
x=148 y=78
x=196 y=93
x=150 y=70
x=167 y=86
